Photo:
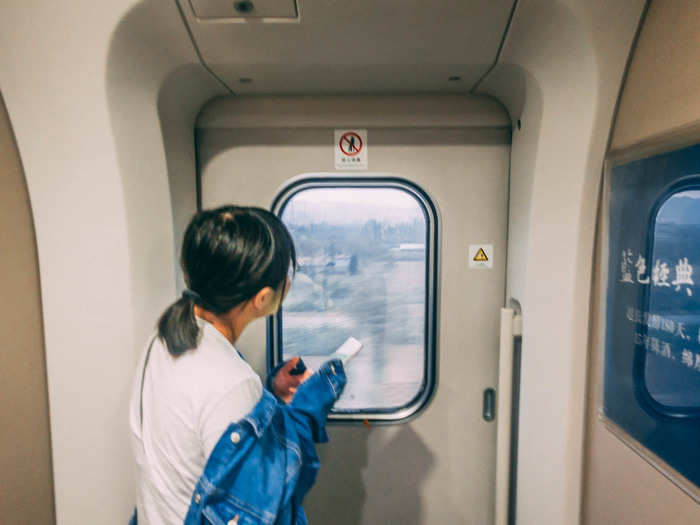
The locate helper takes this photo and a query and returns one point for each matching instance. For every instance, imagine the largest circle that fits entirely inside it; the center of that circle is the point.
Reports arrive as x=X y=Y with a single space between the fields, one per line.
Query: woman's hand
x=284 y=384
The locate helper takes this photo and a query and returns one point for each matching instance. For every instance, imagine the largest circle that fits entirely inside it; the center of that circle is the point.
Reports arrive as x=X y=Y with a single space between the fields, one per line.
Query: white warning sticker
x=350 y=149
x=480 y=256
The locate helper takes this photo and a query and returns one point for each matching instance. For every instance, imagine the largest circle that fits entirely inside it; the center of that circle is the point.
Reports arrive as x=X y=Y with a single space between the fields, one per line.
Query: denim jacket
x=263 y=465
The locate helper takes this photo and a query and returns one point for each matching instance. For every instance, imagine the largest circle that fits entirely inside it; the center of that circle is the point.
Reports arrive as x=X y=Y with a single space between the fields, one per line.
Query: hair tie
x=198 y=300
x=191 y=294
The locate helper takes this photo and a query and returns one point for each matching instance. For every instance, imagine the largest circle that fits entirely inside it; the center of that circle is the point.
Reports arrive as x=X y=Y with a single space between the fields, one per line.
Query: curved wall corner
x=559 y=74
x=96 y=118
x=53 y=83
x=155 y=89
x=27 y=480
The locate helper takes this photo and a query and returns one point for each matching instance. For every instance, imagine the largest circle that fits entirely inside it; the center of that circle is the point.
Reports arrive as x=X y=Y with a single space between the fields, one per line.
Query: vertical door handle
x=489 y=408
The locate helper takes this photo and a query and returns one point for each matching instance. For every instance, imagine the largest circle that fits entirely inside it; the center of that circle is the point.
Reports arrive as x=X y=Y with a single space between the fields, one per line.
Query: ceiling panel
x=215 y=9
x=360 y=46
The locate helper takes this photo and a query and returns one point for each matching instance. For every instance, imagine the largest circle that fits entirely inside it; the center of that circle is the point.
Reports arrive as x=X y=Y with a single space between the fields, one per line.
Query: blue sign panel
x=652 y=355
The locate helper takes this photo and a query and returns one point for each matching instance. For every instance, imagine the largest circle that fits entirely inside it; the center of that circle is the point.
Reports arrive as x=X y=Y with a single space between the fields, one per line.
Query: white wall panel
x=559 y=73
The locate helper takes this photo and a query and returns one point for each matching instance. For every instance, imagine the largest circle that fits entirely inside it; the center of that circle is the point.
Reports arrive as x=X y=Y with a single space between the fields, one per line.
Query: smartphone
x=347 y=350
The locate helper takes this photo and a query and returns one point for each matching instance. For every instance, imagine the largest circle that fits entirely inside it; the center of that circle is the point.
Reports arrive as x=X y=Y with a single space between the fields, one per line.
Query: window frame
x=274 y=323
x=619 y=427
x=645 y=398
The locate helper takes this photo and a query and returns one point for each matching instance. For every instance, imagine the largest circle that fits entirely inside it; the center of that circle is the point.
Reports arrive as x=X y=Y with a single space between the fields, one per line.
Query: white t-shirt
x=188 y=402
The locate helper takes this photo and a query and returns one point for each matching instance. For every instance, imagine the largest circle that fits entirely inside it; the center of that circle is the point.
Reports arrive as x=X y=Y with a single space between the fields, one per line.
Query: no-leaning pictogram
x=350 y=144
x=350 y=149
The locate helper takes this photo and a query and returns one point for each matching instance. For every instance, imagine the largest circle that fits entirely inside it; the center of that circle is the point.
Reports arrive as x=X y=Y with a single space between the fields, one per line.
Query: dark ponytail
x=228 y=255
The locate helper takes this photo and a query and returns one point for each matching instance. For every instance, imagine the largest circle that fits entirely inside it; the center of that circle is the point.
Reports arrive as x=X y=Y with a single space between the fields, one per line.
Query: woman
x=192 y=382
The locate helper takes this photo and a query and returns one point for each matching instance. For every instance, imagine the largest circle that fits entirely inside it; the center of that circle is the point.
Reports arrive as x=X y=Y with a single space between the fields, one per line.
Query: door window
x=366 y=252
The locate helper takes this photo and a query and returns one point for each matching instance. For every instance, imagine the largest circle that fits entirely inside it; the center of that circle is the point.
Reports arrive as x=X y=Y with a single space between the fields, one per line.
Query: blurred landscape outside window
x=362 y=273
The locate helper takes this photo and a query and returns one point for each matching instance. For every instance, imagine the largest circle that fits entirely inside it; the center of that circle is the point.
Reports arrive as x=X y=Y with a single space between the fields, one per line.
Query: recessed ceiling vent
x=238 y=9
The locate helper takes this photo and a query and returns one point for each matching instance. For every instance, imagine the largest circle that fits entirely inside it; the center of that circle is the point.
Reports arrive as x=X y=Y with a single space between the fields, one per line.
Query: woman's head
x=229 y=256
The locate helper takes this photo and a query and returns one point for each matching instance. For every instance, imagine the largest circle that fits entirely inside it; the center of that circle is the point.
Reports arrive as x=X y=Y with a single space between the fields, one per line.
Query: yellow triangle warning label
x=481 y=256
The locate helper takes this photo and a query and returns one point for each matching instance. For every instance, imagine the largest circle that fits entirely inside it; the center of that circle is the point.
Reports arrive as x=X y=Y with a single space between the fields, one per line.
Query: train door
x=438 y=465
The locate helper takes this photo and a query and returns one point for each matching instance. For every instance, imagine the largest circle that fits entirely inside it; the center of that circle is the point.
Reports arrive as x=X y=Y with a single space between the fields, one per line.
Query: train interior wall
x=660 y=101
x=108 y=109
x=26 y=484
x=561 y=82
x=456 y=148
x=103 y=114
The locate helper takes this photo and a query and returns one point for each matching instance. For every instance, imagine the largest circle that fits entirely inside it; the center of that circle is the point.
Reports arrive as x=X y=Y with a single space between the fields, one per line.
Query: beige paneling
x=661 y=96
x=662 y=90
x=367 y=111
x=26 y=484
x=439 y=467
x=363 y=46
x=559 y=75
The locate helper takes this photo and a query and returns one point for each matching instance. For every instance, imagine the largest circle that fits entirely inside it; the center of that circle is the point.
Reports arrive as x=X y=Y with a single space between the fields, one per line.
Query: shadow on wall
x=349 y=474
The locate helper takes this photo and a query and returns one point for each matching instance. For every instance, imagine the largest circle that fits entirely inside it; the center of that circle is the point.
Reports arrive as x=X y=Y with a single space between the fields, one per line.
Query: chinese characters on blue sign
x=659 y=274
x=652 y=355
x=659 y=278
